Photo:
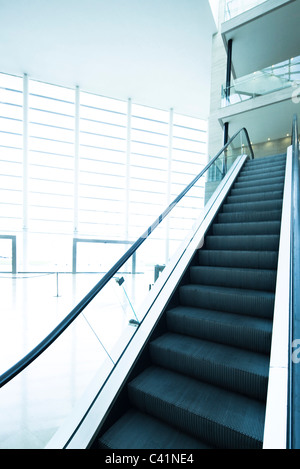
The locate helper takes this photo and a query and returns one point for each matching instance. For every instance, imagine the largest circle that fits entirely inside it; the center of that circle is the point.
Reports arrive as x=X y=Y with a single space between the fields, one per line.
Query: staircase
x=206 y=385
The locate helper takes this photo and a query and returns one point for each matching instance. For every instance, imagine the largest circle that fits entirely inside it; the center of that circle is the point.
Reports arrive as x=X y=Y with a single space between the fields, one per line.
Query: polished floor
x=35 y=404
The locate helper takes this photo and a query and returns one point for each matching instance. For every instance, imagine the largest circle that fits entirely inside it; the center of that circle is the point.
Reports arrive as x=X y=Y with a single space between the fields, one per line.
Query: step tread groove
x=176 y=398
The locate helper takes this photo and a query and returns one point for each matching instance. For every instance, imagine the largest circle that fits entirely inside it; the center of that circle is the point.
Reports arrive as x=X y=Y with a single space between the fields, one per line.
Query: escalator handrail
x=65 y=323
x=294 y=375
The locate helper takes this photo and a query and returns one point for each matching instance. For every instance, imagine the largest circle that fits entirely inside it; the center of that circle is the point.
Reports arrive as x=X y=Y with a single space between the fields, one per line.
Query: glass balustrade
x=66 y=376
x=275 y=78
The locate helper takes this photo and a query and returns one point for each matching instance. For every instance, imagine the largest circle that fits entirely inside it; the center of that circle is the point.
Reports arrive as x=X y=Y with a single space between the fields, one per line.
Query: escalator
x=193 y=366
x=206 y=379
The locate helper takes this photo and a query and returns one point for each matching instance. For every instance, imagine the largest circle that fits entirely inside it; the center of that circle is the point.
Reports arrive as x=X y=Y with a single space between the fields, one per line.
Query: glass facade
x=51 y=117
x=102 y=166
x=11 y=153
x=74 y=164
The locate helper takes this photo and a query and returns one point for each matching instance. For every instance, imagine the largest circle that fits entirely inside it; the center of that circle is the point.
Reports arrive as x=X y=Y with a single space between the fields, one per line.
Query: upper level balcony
x=277 y=77
x=262 y=36
x=264 y=47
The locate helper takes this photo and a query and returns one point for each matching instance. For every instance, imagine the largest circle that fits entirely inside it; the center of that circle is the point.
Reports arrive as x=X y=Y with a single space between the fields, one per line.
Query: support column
x=226 y=128
x=228 y=71
x=76 y=161
x=127 y=176
x=227 y=95
x=25 y=171
x=170 y=154
x=170 y=157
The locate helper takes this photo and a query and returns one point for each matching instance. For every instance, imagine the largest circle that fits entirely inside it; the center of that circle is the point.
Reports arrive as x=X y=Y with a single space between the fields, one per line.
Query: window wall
x=74 y=164
x=11 y=153
x=148 y=167
x=102 y=166
x=51 y=137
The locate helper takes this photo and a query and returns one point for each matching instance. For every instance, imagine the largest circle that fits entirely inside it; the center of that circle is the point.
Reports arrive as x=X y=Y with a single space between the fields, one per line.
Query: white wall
x=158 y=52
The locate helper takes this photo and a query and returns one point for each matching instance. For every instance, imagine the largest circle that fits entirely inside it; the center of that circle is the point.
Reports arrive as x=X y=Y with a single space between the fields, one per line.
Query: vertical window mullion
x=25 y=170
x=170 y=156
x=76 y=159
x=128 y=163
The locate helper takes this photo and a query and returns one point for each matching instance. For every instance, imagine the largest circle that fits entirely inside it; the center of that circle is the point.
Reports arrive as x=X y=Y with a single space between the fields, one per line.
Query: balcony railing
x=277 y=77
x=234 y=8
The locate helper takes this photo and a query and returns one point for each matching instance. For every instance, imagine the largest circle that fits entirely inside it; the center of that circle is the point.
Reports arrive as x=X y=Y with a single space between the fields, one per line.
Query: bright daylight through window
x=76 y=164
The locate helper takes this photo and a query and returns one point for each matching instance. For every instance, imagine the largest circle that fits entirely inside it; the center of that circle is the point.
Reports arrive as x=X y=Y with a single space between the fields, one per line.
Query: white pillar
x=127 y=176
x=170 y=157
x=76 y=161
x=25 y=171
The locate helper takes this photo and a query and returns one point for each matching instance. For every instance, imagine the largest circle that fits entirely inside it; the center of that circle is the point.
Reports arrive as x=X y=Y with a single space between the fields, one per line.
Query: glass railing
x=42 y=391
x=275 y=78
x=234 y=8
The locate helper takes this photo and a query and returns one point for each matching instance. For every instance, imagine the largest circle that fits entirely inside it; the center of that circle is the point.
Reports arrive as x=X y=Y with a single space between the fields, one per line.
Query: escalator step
x=257 y=189
x=251 y=171
x=221 y=417
x=259 y=165
x=257 y=228
x=230 y=368
x=276 y=195
x=255 y=216
x=267 y=159
x=247 y=259
x=237 y=330
x=257 y=178
x=136 y=430
x=275 y=159
x=264 y=205
x=243 y=242
x=252 y=279
x=232 y=300
x=260 y=183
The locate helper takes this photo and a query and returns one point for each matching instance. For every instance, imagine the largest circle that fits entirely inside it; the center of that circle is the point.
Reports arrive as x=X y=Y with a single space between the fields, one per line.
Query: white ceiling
x=156 y=52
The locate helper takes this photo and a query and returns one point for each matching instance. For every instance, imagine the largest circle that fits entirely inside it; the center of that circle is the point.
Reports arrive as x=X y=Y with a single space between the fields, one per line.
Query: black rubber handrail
x=65 y=323
x=294 y=371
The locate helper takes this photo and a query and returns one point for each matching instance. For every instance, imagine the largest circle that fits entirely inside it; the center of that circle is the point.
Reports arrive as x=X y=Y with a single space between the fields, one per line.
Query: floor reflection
x=36 y=403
